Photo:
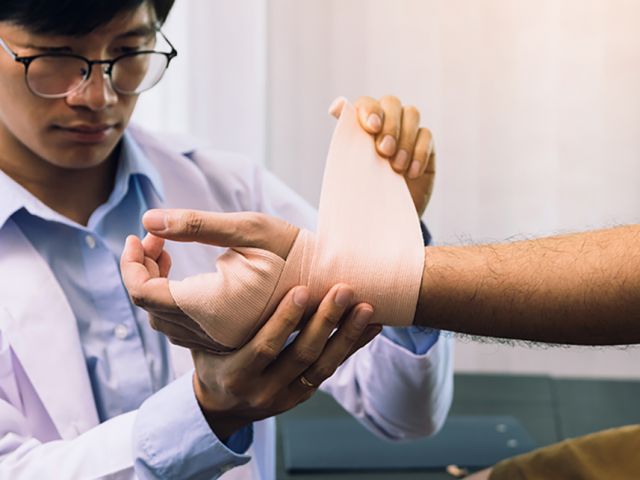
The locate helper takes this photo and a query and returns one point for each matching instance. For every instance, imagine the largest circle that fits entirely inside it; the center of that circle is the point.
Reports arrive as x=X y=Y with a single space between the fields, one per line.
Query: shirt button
x=121 y=331
x=90 y=241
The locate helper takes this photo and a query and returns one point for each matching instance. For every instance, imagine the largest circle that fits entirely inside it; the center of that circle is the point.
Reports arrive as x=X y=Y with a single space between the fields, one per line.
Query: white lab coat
x=49 y=427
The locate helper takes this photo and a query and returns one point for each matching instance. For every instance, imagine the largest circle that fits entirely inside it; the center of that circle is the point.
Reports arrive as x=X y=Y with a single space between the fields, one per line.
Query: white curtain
x=215 y=89
x=535 y=107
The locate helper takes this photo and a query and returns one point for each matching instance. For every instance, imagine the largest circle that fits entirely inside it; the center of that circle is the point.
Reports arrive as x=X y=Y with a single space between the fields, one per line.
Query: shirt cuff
x=172 y=439
x=426 y=234
x=240 y=441
x=417 y=340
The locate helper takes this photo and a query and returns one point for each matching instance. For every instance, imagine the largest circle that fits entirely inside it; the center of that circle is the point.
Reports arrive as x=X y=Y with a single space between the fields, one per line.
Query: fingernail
x=401 y=160
x=301 y=297
x=388 y=145
x=343 y=297
x=414 y=171
x=155 y=221
x=363 y=317
x=374 y=122
x=336 y=106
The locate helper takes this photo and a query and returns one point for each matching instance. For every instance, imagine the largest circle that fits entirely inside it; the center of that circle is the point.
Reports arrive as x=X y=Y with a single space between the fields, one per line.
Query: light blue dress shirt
x=127 y=361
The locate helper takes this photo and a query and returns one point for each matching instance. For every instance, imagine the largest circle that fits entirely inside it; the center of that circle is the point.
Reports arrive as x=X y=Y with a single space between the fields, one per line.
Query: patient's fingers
x=387 y=139
x=336 y=106
x=134 y=272
x=145 y=291
x=152 y=267
x=370 y=114
x=152 y=246
x=421 y=154
x=179 y=335
x=164 y=263
x=408 y=135
x=243 y=229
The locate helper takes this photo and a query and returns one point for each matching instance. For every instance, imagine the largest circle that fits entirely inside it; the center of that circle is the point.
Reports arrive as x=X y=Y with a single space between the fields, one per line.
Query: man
x=88 y=389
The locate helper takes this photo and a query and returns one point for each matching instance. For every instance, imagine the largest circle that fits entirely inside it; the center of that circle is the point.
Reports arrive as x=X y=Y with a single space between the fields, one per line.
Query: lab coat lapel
x=184 y=187
x=42 y=331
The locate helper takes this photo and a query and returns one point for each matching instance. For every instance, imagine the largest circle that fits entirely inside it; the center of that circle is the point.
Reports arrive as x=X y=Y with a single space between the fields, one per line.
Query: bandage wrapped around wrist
x=368 y=237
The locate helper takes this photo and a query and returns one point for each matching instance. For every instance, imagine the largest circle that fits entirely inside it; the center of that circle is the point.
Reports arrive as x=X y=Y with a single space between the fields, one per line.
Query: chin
x=80 y=158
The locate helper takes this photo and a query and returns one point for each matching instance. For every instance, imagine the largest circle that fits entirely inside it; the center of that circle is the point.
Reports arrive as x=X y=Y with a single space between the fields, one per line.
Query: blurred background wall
x=534 y=104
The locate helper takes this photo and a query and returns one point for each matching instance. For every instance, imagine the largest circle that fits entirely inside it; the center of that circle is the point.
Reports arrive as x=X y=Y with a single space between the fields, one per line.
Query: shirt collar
x=12 y=197
x=133 y=162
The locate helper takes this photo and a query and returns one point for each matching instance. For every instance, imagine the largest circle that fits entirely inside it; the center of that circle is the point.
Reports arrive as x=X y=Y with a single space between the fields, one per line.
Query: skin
x=579 y=289
x=42 y=150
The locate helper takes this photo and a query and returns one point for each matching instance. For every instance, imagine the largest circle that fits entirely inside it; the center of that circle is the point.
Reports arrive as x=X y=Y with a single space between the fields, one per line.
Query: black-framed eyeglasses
x=56 y=75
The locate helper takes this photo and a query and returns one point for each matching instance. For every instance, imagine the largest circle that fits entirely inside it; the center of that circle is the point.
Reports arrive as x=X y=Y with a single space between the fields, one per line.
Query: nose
x=96 y=93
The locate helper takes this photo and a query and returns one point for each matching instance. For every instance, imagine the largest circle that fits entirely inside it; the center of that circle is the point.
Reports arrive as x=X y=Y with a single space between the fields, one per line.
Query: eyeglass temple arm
x=6 y=48
x=174 y=52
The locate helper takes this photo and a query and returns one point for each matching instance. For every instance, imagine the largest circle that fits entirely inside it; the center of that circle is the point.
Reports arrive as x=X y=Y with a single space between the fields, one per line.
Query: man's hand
x=265 y=376
x=399 y=138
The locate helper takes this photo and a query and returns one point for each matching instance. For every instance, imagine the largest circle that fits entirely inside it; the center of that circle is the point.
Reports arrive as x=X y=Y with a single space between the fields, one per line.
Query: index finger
x=237 y=229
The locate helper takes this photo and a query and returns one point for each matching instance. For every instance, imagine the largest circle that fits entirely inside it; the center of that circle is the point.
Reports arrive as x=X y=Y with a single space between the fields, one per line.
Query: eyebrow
x=146 y=30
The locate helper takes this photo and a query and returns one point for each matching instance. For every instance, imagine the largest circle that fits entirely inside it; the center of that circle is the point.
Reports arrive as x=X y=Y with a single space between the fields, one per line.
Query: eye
x=127 y=49
x=55 y=49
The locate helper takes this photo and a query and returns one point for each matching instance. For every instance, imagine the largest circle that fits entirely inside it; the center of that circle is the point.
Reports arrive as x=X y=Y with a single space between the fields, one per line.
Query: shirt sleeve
x=418 y=340
x=172 y=439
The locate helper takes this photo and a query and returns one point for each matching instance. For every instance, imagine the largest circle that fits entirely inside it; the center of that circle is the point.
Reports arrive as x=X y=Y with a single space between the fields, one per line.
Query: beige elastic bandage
x=368 y=237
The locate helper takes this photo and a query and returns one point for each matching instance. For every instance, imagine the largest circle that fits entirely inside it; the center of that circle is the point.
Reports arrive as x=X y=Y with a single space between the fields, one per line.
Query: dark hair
x=72 y=17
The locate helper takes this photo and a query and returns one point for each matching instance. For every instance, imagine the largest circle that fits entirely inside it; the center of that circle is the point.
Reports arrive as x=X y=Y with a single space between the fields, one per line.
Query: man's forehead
x=138 y=21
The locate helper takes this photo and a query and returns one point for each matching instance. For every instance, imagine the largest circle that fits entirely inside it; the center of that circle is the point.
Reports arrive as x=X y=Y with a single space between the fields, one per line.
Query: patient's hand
x=233 y=300
x=145 y=266
x=399 y=137
x=266 y=376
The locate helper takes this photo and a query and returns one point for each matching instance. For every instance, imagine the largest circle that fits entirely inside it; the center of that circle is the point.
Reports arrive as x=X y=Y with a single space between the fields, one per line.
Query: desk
x=550 y=409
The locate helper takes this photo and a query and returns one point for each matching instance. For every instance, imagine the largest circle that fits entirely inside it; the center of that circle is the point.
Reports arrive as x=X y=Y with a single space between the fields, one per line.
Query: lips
x=86 y=128
x=87 y=133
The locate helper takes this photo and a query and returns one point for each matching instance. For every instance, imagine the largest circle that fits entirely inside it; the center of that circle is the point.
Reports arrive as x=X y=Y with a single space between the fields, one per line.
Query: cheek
x=127 y=104
x=21 y=113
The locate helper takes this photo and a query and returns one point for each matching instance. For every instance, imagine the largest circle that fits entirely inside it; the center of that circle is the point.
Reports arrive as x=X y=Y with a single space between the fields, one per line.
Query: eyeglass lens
x=56 y=75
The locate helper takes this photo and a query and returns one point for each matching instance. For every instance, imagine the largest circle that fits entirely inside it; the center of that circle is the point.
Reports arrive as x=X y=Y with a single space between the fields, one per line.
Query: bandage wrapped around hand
x=368 y=237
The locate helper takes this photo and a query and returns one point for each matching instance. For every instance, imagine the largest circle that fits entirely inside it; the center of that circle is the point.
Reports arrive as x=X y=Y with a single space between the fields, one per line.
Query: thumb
x=336 y=107
x=238 y=229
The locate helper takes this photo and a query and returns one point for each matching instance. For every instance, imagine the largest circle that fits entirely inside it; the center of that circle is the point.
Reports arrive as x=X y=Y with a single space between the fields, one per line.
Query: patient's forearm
x=578 y=289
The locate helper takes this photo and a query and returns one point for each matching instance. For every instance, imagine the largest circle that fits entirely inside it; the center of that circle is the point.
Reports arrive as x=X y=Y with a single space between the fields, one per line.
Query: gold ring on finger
x=304 y=381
